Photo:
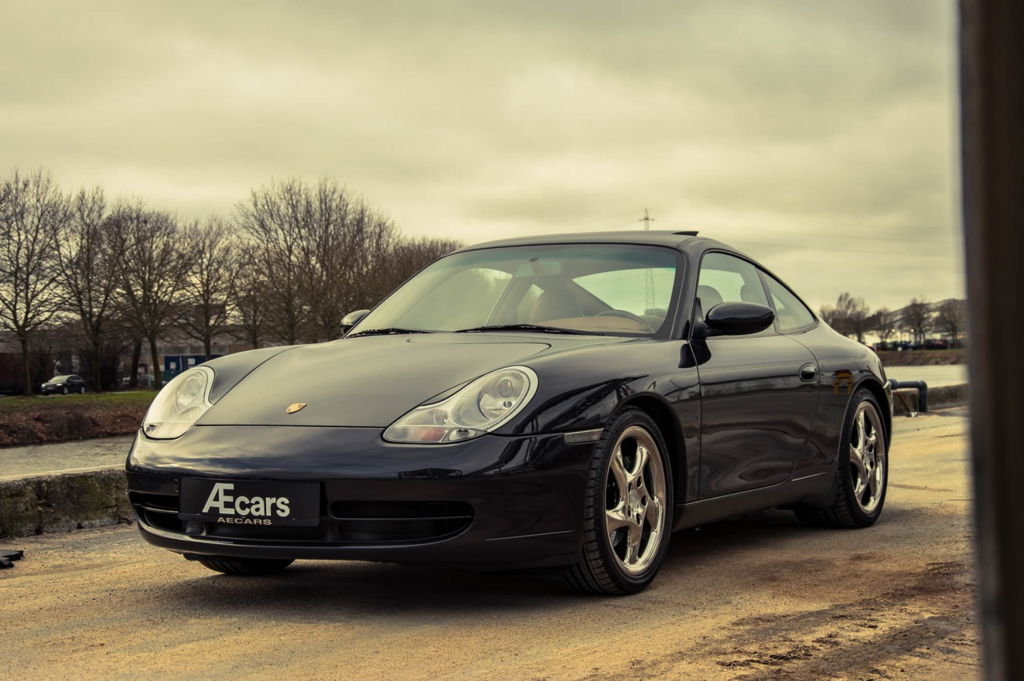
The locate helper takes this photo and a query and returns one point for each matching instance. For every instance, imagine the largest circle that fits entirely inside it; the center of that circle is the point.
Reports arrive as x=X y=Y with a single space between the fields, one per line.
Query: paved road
x=64 y=456
x=759 y=598
x=933 y=375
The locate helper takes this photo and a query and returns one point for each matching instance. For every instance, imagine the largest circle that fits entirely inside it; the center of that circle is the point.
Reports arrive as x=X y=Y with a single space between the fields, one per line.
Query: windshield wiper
x=387 y=332
x=526 y=327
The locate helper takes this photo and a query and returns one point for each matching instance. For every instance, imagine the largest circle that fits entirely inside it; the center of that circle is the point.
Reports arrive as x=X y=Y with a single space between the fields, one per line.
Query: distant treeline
x=851 y=316
x=284 y=267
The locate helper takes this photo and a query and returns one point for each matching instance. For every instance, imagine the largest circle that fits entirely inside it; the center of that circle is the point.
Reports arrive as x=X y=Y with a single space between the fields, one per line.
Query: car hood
x=371 y=381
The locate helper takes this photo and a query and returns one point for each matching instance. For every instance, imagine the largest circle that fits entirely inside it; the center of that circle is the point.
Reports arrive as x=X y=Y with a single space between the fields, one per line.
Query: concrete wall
x=58 y=503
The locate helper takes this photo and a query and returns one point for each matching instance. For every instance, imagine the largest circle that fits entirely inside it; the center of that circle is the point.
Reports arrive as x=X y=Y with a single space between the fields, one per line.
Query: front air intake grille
x=157 y=510
x=399 y=521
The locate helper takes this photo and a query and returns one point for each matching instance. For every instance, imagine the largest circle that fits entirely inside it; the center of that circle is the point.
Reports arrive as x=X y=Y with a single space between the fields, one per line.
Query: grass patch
x=133 y=398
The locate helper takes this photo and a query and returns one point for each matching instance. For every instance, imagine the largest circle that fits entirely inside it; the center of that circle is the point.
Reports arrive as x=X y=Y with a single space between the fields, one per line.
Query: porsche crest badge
x=294 y=407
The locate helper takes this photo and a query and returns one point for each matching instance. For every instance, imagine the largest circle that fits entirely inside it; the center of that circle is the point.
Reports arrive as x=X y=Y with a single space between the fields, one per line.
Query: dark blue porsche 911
x=560 y=401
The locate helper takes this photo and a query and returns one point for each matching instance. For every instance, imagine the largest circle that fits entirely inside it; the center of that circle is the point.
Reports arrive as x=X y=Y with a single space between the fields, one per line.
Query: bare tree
x=832 y=316
x=275 y=219
x=153 y=275
x=371 y=269
x=409 y=256
x=850 y=316
x=951 y=319
x=323 y=249
x=250 y=297
x=344 y=245
x=917 y=319
x=884 y=322
x=209 y=287
x=88 y=264
x=33 y=211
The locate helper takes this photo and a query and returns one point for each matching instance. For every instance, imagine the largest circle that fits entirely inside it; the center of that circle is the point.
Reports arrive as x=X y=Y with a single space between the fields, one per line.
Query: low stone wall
x=68 y=501
x=947 y=396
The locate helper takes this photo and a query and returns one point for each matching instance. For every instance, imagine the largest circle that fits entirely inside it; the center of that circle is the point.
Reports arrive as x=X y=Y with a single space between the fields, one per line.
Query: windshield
x=590 y=288
x=57 y=379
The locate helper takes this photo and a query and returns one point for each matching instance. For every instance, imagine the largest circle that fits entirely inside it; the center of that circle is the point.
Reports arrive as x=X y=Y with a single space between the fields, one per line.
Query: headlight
x=480 y=407
x=179 y=404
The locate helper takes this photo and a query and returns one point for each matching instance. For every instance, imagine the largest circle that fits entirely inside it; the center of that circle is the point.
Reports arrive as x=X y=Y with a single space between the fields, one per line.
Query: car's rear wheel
x=862 y=472
x=627 y=509
x=245 y=566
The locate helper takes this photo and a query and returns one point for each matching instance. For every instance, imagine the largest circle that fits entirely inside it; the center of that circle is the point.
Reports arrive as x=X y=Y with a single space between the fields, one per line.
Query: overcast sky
x=818 y=136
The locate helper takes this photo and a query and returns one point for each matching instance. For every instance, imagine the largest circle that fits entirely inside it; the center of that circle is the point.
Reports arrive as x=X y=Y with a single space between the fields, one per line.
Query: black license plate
x=251 y=503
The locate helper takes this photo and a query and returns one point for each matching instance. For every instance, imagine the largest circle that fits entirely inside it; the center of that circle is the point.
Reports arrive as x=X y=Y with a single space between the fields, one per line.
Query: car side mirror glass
x=351 y=319
x=735 y=319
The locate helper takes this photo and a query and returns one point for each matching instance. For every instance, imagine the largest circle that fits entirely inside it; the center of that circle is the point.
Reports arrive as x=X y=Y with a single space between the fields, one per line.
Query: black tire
x=245 y=566
x=847 y=509
x=600 y=569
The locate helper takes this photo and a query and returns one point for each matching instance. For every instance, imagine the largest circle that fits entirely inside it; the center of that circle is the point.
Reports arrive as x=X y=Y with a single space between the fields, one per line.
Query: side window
x=790 y=313
x=728 y=279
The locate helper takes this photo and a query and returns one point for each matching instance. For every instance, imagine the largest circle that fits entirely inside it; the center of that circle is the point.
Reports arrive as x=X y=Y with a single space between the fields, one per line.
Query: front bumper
x=492 y=502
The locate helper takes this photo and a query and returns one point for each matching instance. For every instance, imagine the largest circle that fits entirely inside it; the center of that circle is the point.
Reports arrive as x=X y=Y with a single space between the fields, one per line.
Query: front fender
x=580 y=391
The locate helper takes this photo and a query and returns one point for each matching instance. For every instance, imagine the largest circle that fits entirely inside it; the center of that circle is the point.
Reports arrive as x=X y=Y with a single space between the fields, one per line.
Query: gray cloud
x=816 y=135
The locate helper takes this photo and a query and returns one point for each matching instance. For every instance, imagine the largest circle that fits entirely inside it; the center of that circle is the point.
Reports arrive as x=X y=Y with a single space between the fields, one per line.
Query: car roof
x=682 y=240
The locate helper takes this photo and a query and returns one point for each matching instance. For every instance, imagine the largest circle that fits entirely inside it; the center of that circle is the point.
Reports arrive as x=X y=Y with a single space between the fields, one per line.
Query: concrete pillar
x=992 y=99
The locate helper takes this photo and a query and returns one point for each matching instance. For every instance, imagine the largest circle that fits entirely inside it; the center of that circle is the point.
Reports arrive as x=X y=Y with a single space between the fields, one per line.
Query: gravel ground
x=756 y=598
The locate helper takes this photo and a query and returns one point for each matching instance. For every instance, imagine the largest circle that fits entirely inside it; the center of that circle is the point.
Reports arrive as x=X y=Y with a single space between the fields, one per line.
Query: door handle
x=808 y=372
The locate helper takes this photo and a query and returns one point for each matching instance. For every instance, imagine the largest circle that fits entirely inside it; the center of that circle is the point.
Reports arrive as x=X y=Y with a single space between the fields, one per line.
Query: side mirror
x=351 y=319
x=735 y=319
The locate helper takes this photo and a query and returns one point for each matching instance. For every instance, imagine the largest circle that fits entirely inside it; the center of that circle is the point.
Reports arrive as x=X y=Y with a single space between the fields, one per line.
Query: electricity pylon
x=649 y=273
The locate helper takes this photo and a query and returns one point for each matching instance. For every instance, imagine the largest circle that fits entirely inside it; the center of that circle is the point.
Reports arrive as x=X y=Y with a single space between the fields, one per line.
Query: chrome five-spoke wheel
x=867 y=457
x=635 y=500
x=628 y=508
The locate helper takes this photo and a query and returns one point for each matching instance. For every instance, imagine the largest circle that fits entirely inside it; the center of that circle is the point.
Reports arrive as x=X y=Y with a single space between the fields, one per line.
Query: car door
x=758 y=396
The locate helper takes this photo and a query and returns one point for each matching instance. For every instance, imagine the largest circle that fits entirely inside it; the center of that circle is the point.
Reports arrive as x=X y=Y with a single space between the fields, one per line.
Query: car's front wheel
x=244 y=566
x=627 y=509
x=862 y=470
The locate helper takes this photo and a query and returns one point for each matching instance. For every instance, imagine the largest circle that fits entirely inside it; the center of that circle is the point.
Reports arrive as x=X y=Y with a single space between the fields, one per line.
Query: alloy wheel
x=867 y=457
x=635 y=496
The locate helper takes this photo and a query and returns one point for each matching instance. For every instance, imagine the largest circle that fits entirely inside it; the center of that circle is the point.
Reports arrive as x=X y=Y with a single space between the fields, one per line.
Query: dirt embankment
x=27 y=421
x=893 y=358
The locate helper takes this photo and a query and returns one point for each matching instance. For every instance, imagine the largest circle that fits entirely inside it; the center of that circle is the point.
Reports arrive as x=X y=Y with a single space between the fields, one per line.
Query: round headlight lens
x=480 y=407
x=179 y=404
x=502 y=394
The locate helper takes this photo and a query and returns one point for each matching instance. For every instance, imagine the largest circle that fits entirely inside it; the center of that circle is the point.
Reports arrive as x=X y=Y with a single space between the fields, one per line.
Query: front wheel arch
x=671 y=431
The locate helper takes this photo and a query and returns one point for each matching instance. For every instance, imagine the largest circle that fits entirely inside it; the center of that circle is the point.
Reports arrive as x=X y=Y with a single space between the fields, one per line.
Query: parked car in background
x=894 y=345
x=70 y=383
